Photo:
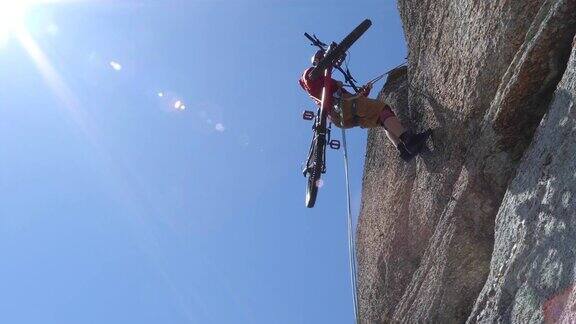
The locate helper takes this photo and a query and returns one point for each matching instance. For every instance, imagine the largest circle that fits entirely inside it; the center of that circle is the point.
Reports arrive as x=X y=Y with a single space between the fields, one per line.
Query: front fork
x=320 y=135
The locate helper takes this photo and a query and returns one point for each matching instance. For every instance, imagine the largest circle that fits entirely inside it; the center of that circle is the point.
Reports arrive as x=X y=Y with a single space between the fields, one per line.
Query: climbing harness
x=339 y=109
x=354 y=111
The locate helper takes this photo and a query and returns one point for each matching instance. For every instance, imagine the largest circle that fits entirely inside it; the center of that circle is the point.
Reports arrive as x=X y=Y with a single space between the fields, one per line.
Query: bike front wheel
x=315 y=166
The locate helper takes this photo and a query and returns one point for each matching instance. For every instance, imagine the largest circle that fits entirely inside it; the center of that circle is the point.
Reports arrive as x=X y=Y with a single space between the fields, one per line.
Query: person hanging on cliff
x=359 y=110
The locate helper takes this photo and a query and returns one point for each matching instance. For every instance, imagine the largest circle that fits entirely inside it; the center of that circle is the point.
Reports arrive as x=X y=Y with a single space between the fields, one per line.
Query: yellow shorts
x=366 y=114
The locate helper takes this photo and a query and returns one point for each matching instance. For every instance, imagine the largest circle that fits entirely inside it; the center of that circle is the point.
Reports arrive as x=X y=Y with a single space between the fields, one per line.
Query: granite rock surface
x=479 y=227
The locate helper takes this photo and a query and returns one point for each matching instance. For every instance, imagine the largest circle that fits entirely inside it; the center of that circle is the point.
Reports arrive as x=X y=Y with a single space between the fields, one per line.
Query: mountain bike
x=335 y=54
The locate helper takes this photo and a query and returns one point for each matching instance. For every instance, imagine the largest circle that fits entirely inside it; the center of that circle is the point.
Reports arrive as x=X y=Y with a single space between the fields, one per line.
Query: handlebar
x=315 y=41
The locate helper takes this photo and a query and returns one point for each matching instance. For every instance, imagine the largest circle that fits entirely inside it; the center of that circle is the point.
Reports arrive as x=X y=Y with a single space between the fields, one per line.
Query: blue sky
x=119 y=208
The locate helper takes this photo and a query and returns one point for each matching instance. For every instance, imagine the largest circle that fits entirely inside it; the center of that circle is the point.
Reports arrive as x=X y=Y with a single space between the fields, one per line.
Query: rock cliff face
x=482 y=226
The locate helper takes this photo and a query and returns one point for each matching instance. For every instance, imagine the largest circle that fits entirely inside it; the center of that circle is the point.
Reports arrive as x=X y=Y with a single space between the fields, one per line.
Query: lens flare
x=179 y=105
x=116 y=66
x=12 y=17
x=220 y=127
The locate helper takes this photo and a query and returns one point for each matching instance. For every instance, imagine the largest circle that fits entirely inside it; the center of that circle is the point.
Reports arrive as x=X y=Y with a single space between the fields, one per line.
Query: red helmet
x=317 y=57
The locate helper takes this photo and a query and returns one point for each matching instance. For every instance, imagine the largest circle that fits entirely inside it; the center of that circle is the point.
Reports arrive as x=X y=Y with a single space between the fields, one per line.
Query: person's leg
x=394 y=139
x=374 y=113
x=393 y=130
x=403 y=139
x=392 y=125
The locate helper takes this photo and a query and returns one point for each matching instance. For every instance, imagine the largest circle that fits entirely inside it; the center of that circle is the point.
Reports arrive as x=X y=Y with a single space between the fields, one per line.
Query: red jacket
x=314 y=87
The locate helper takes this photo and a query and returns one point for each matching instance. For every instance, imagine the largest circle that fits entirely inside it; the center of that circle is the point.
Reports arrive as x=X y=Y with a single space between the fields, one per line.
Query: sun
x=13 y=15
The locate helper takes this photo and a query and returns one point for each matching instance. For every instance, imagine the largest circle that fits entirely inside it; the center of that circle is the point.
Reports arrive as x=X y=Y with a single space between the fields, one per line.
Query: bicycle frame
x=327 y=99
x=321 y=122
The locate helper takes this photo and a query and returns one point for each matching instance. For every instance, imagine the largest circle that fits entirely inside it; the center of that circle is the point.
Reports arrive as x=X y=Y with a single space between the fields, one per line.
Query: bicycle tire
x=340 y=49
x=315 y=171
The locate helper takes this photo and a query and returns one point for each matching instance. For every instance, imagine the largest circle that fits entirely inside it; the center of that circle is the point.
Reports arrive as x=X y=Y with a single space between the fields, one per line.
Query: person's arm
x=365 y=90
x=362 y=92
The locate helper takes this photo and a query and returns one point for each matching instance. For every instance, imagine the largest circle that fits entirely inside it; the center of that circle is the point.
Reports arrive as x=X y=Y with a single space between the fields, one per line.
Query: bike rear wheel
x=340 y=49
x=315 y=170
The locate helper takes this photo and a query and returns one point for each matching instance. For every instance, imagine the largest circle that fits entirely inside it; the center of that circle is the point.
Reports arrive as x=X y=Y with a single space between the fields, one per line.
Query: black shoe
x=404 y=154
x=414 y=142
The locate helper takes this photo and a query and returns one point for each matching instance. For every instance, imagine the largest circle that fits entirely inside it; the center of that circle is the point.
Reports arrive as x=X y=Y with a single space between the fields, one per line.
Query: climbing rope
x=378 y=78
x=351 y=240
